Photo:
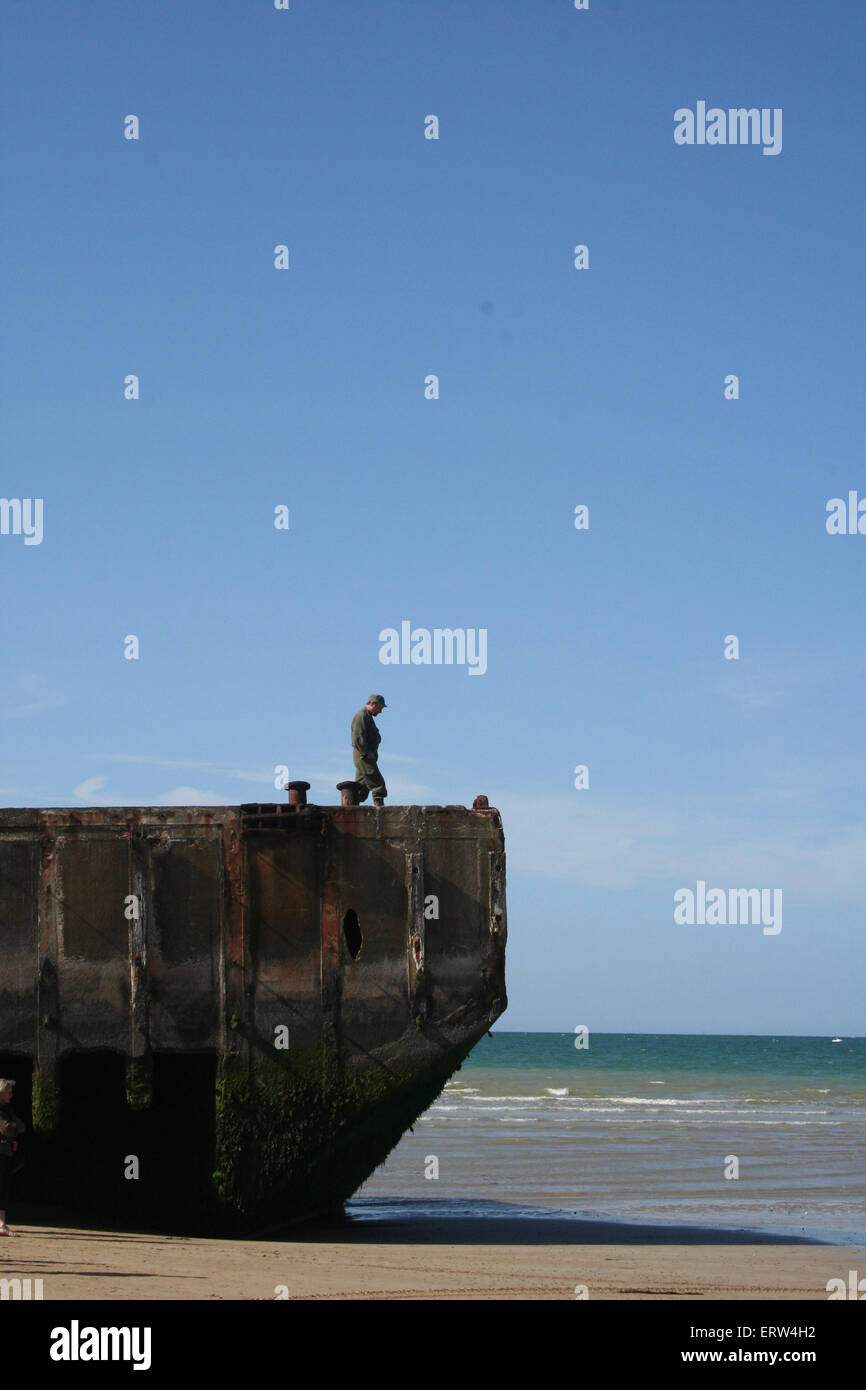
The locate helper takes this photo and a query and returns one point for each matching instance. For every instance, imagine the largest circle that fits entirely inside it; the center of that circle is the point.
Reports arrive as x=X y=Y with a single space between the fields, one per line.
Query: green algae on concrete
x=278 y=1122
x=45 y=1101
x=139 y=1083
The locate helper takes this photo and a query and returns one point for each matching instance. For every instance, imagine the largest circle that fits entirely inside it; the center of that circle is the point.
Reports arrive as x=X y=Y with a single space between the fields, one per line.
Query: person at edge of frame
x=10 y=1128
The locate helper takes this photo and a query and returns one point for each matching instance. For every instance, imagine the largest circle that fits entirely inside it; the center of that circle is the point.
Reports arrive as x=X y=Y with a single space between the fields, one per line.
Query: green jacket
x=365 y=735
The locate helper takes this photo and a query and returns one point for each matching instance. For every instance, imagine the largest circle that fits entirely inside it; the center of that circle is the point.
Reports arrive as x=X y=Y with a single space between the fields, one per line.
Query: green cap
x=376 y=700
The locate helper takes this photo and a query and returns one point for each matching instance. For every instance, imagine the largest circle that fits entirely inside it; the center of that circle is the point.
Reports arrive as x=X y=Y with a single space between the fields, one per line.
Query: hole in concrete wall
x=81 y=1169
x=172 y=1139
x=92 y=1138
x=181 y=1129
x=352 y=933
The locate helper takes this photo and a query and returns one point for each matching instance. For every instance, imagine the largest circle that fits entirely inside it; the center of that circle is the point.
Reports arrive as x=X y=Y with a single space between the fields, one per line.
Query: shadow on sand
x=439 y=1222
x=443 y=1222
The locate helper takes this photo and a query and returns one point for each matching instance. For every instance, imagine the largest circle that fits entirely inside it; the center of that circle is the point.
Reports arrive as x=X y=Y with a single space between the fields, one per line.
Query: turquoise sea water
x=644 y=1127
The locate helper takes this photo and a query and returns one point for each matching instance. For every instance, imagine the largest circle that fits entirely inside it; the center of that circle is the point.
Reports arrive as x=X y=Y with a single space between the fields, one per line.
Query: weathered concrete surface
x=170 y=936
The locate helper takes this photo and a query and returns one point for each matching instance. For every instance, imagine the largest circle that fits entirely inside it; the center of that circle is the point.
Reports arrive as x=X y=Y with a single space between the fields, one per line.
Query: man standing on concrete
x=365 y=751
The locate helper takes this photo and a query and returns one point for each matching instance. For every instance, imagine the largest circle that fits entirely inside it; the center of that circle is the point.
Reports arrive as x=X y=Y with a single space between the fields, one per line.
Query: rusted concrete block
x=335 y=966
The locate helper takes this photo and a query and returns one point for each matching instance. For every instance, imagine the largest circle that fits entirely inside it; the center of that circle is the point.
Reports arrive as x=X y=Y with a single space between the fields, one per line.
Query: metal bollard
x=298 y=793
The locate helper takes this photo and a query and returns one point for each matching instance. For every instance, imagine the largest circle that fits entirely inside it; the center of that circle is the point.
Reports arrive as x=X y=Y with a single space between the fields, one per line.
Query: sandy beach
x=467 y=1259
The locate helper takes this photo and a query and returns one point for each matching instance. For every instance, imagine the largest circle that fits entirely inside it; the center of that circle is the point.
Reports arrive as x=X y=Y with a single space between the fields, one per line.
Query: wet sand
x=413 y=1259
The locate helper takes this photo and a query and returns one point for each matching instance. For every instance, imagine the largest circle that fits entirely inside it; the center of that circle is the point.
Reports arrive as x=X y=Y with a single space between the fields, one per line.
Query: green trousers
x=370 y=779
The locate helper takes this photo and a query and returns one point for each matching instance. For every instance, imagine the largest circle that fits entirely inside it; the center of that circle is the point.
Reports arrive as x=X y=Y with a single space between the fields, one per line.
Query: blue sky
x=558 y=387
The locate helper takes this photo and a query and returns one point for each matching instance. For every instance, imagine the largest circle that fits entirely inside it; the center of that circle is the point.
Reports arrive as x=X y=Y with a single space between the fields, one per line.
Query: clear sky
x=558 y=387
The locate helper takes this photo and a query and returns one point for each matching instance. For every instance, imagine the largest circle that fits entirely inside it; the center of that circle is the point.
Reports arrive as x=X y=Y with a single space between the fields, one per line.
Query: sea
x=747 y=1133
